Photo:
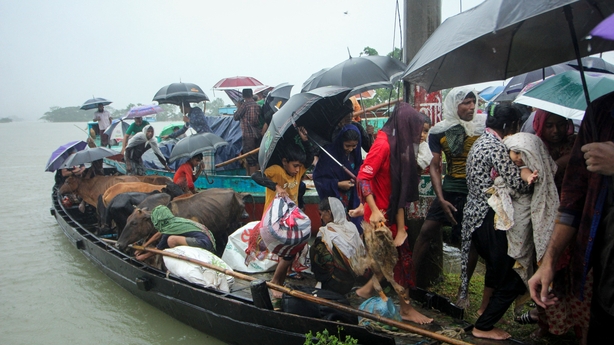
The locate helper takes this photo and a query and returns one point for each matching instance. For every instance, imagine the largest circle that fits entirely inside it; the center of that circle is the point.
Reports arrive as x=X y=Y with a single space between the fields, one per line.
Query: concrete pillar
x=421 y=18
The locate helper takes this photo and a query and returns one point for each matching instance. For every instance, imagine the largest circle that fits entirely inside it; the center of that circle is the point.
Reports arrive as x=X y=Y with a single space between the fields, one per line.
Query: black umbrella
x=311 y=79
x=92 y=103
x=177 y=93
x=516 y=84
x=319 y=111
x=87 y=156
x=275 y=100
x=359 y=73
x=192 y=145
x=499 y=39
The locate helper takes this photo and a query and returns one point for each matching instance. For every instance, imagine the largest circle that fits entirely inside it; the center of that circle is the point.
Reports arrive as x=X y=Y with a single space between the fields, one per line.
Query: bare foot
x=366 y=291
x=463 y=303
x=411 y=314
x=357 y=212
x=495 y=333
x=276 y=294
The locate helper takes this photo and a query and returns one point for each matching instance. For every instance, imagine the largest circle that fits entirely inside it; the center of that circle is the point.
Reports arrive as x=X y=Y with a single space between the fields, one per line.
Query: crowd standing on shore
x=500 y=193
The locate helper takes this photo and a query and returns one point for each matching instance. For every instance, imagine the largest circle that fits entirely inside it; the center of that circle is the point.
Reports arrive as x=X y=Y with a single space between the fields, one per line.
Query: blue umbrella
x=491 y=92
x=61 y=154
x=143 y=110
x=92 y=103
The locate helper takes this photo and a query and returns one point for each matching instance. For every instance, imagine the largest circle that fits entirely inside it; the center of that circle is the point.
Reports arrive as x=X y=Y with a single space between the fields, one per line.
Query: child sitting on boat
x=185 y=175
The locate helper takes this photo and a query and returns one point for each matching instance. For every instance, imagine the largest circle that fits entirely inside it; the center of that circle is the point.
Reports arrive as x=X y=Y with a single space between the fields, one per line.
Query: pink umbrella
x=605 y=29
x=237 y=83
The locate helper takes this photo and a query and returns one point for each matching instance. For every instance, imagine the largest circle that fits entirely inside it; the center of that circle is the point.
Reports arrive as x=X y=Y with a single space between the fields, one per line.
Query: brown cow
x=90 y=188
x=155 y=179
x=126 y=187
x=220 y=210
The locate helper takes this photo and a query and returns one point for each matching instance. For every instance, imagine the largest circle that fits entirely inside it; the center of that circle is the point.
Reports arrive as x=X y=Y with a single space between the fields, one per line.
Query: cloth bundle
x=283 y=230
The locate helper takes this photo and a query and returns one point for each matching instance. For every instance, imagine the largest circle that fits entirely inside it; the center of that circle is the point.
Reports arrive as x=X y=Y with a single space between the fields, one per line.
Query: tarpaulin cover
x=225 y=127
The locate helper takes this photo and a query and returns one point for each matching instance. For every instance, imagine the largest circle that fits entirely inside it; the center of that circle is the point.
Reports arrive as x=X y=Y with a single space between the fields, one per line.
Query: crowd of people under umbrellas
x=501 y=193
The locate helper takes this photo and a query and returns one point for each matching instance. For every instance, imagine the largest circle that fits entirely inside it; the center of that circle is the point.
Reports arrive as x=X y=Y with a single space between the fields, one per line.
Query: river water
x=49 y=292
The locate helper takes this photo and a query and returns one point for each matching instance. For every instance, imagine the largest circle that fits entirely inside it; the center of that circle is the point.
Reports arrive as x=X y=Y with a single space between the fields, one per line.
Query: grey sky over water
x=62 y=52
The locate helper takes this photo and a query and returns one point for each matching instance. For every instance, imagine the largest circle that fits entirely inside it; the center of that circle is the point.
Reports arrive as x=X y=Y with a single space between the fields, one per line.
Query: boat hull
x=229 y=317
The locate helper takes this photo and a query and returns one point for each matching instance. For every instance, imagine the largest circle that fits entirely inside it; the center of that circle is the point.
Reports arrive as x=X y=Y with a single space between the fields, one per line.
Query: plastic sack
x=234 y=253
x=198 y=274
x=284 y=228
x=376 y=305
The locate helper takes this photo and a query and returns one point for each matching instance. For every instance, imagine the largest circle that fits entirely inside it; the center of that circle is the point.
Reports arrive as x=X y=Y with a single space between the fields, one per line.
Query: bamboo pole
x=310 y=298
x=256 y=150
x=377 y=106
x=232 y=160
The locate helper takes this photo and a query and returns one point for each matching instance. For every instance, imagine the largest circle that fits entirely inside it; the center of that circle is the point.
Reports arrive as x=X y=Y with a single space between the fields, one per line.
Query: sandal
x=295 y=276
x=525 y=318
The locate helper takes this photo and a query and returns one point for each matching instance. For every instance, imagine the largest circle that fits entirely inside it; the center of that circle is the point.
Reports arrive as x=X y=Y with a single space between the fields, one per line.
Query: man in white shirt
x=103 y=118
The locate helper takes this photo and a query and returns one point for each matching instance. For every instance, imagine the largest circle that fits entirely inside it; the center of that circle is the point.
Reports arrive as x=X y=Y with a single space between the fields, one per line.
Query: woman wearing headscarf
x=137 y=145
x=487 y=160
x=534 y=213
x=557 y=133
x=331 y=179
x=388 y=182
x=337 y=254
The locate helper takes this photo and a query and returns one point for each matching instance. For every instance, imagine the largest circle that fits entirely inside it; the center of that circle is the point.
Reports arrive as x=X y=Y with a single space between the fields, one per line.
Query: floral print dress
x=487 y=159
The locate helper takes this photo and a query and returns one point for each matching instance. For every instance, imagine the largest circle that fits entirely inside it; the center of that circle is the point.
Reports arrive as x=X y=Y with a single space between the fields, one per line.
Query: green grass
x=448 y=287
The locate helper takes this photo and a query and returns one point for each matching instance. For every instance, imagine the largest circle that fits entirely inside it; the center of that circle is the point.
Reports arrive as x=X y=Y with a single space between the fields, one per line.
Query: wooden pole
x=377 y=106
x=256 y=150
x=310 y=298
x=238 y=157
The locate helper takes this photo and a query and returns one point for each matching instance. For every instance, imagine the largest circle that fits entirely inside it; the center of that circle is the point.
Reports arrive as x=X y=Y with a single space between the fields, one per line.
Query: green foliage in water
x=325 y=338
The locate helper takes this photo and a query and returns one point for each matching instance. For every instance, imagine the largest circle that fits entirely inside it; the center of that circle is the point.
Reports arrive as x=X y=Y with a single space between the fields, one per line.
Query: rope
x=455 y=333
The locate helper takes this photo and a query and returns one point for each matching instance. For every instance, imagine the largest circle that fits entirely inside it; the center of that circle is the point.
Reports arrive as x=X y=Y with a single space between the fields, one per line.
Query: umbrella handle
x=209 y=181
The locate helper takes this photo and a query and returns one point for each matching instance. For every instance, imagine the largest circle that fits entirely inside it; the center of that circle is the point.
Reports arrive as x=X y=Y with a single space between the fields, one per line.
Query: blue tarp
x=224 y=126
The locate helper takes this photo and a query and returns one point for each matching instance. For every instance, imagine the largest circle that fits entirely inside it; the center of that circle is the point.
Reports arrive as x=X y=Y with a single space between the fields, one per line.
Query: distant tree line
x=74 y=114
x=383 y=95
x=6 y=120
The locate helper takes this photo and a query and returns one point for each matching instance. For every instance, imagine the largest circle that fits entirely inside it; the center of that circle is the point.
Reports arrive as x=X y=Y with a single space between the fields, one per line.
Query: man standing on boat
x=137 y=146
x=193 y=117
x=104 y=119
x=134 y=128
x=248 y=112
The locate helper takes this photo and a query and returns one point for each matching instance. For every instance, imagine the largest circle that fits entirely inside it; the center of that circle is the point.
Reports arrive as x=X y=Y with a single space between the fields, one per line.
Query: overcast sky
x=62 y=52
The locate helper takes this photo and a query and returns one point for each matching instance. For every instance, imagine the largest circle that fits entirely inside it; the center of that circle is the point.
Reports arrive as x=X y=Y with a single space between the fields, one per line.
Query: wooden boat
x=231 y=317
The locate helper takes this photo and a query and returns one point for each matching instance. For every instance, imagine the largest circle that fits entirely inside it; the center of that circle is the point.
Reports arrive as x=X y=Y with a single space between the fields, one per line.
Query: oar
x=310 y=298
x=89 y=143
x=238 y=157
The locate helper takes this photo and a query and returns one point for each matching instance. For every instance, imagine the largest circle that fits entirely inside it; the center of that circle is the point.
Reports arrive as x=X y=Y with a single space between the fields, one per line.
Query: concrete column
x=421 y=18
